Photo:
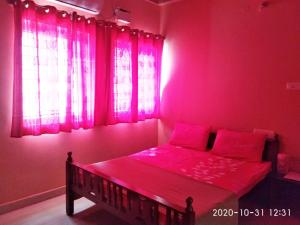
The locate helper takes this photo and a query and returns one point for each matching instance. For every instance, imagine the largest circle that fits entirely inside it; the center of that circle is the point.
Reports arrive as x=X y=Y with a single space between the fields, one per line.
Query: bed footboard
x=135 y=207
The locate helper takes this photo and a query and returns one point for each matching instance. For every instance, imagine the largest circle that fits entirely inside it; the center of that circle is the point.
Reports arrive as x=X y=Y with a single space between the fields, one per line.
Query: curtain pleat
x=17 y=112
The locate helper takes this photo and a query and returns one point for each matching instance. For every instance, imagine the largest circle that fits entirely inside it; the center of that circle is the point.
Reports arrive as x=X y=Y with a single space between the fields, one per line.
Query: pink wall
x=23 y=160
x=230 y=64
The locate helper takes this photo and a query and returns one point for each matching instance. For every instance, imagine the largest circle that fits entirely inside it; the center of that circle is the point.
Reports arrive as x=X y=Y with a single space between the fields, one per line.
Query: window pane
x=123 y=78
x=146 y=83
x=44 y=73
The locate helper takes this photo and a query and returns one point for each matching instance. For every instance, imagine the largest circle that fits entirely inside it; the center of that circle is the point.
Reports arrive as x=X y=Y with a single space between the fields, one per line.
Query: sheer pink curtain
x=116 y=85
x=158 y=45
x=124 y=76
x=83 y=76
x=71 y=72
x=149 y=64
x=102 y=82
x=106 y=34
x=131 y=74
x=54 y=71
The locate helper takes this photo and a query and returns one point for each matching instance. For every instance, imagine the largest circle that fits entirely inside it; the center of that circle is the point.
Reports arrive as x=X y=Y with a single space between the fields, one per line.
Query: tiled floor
x=52 y=212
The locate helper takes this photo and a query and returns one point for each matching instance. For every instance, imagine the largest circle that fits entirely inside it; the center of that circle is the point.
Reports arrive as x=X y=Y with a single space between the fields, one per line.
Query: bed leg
x=189 y=216
x=69 y=180
x=270 y=192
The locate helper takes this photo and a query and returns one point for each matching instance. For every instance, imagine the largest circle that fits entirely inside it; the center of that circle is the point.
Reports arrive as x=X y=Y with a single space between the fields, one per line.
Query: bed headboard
x=269 y=154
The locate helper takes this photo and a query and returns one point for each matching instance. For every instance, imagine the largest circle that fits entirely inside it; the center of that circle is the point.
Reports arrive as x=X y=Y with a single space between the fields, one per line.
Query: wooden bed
x=133 y=205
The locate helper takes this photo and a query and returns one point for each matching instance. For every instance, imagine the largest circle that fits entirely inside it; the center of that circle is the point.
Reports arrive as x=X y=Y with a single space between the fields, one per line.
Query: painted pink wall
x=23 y=160
x=230 y=64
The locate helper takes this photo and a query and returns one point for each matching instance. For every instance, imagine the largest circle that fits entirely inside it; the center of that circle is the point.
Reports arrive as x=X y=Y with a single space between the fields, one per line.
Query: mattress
x=237 y=176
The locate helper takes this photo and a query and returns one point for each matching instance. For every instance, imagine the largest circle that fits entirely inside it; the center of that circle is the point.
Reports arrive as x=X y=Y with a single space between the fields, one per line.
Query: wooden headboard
x=269 y=154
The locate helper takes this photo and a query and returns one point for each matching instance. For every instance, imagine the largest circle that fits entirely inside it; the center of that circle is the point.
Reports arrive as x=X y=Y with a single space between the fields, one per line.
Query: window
x=45 y=78
x=123 y=78
x=59 y=86
x=136 y=92
x=146 y=83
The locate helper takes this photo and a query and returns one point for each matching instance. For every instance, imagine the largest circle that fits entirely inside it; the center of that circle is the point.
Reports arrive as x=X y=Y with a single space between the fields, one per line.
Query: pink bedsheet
x=234 y=175
x=174 y=188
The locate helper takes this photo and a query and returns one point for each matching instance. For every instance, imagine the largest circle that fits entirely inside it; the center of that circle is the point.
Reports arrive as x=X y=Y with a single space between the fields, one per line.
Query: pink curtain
x=149 y=68
x=83 y=77
x=104 y=94
x=54 y=71
x=71 y=72
x=116 y=75
x=124 y=75
x=17 y=113
x=127 y=87
x=102 y=87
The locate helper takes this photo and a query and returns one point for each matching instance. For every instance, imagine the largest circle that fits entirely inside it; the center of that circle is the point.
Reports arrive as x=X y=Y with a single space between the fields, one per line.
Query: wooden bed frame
x=135 y=206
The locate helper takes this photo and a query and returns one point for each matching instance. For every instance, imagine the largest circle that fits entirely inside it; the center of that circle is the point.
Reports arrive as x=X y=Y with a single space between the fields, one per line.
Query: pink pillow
x=240 y=145
x=190 y=136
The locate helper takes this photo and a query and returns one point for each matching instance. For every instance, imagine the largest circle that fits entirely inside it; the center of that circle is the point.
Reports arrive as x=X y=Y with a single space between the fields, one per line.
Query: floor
x=52 y=212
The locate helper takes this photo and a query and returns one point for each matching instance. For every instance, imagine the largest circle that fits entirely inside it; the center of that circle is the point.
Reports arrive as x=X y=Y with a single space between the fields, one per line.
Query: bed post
x=189 y=216
x=69 y=193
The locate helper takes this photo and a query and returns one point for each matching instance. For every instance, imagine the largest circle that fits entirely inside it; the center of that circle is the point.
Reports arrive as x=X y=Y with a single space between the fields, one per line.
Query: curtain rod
x=59 y=2
x=148 y=34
